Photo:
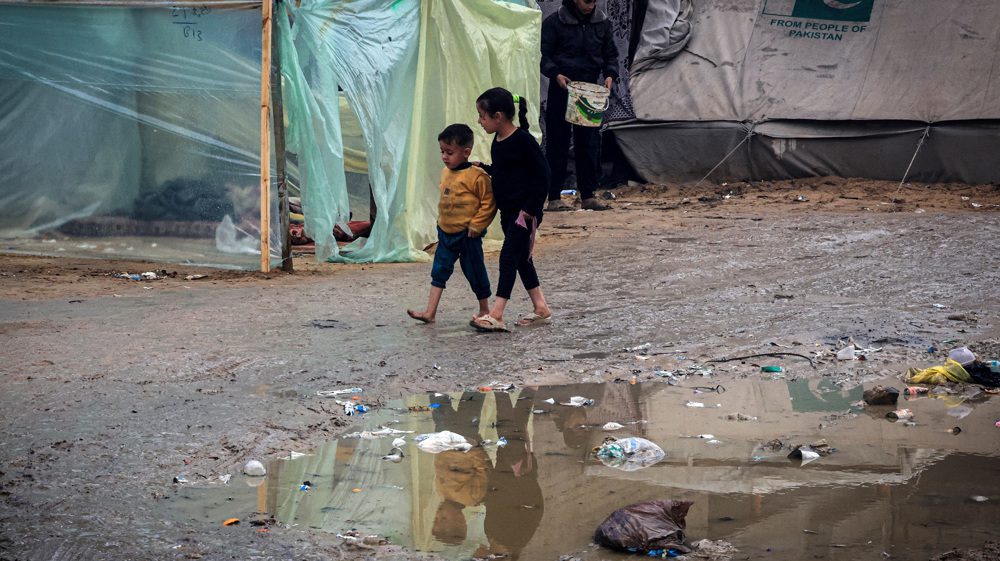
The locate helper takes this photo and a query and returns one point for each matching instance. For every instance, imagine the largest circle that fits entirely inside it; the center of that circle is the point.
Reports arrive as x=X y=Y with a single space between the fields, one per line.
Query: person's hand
x=476 y=163
x=608 y=81
x=473 y=233
x=563 y=81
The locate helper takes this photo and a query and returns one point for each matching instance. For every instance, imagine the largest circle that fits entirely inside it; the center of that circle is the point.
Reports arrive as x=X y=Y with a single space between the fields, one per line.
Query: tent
x=136 y=128
x=764 y=89
x=130 y=131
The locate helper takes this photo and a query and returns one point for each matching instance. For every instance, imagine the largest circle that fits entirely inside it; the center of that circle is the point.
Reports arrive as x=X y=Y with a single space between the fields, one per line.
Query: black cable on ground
x=765 y=354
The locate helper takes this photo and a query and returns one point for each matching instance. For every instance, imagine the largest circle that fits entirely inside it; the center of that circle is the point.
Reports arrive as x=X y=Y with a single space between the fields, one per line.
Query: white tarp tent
x=791 y=88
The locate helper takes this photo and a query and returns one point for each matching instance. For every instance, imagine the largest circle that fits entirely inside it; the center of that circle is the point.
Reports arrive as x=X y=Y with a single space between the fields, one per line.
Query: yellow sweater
x=466 y=200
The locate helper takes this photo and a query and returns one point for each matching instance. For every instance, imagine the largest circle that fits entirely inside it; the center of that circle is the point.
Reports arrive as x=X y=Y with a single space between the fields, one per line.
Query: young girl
x=520 y=186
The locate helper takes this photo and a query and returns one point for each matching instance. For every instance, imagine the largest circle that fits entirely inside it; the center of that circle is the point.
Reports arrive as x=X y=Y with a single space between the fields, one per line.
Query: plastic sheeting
x=466 y=49
x=133 y=122
x=406 y=69
x=122 y=121
x=366 y=49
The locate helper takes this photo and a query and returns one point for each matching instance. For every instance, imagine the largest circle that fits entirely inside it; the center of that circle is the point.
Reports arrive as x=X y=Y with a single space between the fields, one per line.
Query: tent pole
x=279 y=146
x=265 y=140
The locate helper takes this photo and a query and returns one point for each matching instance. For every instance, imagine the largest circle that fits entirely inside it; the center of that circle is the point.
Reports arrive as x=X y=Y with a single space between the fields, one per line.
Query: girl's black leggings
x=515 y=256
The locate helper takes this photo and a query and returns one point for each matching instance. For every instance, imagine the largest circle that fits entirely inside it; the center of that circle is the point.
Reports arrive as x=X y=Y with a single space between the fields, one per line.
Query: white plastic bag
x=847 y=353
x=437 y=442
x=230 y=239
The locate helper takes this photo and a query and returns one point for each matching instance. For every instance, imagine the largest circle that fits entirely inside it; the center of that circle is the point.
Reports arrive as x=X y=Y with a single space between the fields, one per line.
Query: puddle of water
x=904 y=490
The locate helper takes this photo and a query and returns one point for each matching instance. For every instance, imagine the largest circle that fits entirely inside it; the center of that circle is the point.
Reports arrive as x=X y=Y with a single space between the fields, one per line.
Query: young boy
x=465 y=210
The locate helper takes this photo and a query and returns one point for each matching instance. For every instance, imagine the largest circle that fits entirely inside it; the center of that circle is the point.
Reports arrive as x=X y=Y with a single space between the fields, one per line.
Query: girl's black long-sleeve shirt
x=520 y=174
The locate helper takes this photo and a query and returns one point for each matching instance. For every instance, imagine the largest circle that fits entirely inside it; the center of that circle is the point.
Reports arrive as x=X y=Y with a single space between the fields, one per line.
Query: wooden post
x=265 y=139
x=279 y=147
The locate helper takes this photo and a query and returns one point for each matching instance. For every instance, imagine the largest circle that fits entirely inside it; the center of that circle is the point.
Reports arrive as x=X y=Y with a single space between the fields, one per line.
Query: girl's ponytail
x=522 y=112
x=499 y=100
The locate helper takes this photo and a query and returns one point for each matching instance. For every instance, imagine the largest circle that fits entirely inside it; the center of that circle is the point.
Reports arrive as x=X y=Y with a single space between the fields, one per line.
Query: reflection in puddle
x=542 y=494
x=821 y=394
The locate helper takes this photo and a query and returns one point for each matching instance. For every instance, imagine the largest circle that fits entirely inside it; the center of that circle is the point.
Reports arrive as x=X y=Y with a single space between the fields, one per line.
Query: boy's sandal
x=488 y=324
x=533 y=319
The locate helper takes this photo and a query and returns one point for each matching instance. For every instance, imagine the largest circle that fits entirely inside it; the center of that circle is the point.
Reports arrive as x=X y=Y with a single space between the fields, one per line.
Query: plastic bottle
x=994 y=366
x=916 y=390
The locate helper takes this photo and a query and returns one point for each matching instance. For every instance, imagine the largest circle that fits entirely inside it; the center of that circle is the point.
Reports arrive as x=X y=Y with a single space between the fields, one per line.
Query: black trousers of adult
x=515 y=256
x=558 y=132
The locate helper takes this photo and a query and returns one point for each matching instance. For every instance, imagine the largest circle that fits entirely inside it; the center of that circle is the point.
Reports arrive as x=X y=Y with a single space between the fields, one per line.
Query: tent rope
x=923 y=137
x=731 y=152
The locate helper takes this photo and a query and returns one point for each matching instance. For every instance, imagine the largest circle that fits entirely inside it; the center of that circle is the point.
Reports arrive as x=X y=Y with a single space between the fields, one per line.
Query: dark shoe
x=593 y=204
x=557 y=205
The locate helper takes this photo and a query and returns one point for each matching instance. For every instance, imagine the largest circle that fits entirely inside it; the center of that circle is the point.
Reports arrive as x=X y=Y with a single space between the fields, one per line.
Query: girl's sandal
x=488 y=324
x=534 y=319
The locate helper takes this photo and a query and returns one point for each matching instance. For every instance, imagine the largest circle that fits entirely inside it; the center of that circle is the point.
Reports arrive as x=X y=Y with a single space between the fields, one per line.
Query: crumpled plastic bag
x=629 y=454
x=437 y=442
x=229 y=239
x=715 y=550
x=644 y=527
x=950 y=371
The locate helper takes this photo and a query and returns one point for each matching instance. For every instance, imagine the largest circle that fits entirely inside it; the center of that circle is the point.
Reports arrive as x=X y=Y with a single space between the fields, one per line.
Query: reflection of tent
x=118 y=115
x=791 y=88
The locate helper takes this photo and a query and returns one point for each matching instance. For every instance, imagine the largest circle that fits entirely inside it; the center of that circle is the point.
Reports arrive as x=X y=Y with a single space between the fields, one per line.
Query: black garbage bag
x=983 y=375
x=644 y=527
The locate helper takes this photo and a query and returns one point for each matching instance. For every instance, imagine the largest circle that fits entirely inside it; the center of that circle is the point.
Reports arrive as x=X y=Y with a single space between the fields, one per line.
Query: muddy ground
x=110 y=388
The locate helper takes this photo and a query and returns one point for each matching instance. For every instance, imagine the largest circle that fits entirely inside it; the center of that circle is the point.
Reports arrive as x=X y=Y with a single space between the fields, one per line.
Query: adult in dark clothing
x=577 y=45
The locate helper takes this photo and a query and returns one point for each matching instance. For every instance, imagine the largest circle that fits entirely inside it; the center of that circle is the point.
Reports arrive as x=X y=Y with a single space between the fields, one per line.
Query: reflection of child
x=514 y=501
x=465 y=210
x=460 y=480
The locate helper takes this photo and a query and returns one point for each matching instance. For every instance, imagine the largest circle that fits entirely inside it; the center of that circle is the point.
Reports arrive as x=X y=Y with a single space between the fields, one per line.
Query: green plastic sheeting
x=368 y=50
x=406 y=69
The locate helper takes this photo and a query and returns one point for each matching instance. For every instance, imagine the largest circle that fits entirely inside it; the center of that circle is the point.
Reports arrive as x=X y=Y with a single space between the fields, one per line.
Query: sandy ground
x=109 y=388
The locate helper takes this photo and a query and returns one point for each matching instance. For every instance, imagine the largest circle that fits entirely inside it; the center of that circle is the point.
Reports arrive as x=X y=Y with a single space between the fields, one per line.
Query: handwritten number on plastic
x=187 y=16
